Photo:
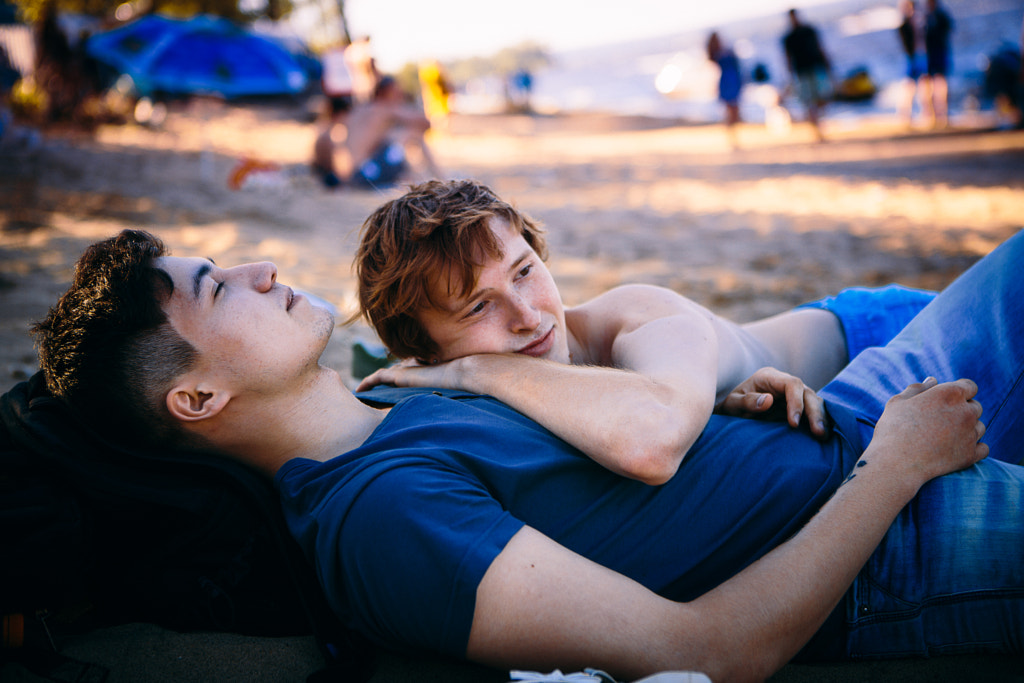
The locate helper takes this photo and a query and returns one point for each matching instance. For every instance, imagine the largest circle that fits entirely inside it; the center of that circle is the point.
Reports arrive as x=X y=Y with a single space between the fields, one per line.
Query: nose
x=525 y=318
x=266 y=275
x=261 y=276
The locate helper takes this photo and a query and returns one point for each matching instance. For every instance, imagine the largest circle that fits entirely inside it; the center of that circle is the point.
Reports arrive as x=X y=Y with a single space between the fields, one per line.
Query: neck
x=320 y=421
x=579 y=351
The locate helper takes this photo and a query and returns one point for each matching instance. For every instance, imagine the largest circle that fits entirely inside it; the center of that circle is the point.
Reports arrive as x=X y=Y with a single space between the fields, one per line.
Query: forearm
x=799 y=583
x=541 y=606
x=625 y=421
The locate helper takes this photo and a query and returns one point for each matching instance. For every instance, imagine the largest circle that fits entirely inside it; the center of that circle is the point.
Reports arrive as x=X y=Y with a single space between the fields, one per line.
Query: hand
x=409 y=373
x=932 y=428
x=759 y=395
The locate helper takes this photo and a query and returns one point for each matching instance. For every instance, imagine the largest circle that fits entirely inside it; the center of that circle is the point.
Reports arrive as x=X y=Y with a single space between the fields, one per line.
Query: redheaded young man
x=450 y=271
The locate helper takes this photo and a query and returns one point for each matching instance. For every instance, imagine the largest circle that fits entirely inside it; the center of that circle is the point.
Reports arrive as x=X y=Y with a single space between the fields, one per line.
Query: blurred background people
x=362 y=67
x=730 y=82
x=329 y=140
x=374 y=144
x=434 y=91
x=938 y=26
x=809 y=67
x=910 y=38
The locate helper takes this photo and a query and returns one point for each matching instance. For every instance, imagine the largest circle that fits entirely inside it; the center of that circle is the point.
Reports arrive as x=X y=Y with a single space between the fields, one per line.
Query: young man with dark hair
x=457 y=525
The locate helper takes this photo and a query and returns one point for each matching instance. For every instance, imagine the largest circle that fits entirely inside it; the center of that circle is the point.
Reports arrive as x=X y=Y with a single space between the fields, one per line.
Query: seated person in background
x=379 y=140
x=331 y=135
x=525 y=553
x=450 y=270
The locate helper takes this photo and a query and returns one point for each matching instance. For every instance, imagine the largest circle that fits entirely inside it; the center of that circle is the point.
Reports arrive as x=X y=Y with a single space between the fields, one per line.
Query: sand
x=748 y=232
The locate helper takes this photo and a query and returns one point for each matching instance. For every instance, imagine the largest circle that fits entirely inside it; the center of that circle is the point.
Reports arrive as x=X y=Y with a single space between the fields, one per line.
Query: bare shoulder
x=596 y=323
x=633 y=300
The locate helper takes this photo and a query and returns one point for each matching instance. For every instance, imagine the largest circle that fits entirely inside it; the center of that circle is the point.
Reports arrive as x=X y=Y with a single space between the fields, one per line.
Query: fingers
x=966 y=388
x=370 y=381
x=815 y=411
x=755 y=402
x=794 y=389
x=741 y=403
x=918 y=387
x=981 y=452
x=969 y=388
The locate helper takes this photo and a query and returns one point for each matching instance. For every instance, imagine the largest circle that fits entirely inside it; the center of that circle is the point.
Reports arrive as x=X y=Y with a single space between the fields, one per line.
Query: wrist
x=893 y=478
x=477 y=373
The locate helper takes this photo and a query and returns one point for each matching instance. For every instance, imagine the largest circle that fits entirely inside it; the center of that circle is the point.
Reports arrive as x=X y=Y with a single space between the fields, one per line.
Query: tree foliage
x=527 y=56
x=32 y=10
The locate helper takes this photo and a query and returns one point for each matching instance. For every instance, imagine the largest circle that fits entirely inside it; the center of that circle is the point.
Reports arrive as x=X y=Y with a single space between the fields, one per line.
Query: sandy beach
x=748 y=232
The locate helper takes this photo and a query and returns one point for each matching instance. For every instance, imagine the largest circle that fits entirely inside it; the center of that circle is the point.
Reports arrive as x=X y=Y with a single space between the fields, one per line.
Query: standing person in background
x=435 y=91
x=938 y=26
x=362 y=66
x=810 y=69
x=1020 y=83
x=910 y=38
x=729 y=82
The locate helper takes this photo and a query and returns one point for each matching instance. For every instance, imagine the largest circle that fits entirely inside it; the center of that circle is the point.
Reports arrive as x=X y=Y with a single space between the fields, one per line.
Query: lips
x=541 y=346
x=289 y=299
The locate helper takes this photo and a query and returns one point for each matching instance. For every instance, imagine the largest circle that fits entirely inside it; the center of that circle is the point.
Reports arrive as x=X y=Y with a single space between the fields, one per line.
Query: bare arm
x=542 y=606
x=653 y=363
x=638 y=418
x=409 y=116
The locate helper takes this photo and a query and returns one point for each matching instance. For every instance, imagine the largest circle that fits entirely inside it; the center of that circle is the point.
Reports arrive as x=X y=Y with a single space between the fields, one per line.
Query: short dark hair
x=339 y=104
x=383 y=86
x=107 y=348
x=436 y=227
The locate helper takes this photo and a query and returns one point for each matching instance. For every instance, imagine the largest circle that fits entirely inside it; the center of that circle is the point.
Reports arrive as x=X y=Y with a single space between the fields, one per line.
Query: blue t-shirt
x=402 y=529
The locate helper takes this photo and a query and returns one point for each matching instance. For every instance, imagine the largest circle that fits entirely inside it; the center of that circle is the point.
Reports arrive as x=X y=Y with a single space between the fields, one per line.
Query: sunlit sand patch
x=211 y=239
x=748 y=233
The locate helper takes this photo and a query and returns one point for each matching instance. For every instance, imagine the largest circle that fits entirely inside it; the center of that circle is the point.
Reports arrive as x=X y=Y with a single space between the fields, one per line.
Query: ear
x=192 y=403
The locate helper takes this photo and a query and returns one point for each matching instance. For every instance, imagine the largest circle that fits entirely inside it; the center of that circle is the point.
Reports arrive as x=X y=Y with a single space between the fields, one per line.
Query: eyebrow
x=476 y=294
x=197 y=277
x=522 y=257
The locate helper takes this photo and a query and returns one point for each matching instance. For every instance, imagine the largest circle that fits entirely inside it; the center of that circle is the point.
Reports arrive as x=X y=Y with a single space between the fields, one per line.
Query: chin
x=559 y=356
x=324 y=325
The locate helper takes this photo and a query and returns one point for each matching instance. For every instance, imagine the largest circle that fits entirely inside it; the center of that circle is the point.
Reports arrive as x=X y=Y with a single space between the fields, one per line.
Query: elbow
x=655 y=453
x=656 y=436
x=655 y=467
x=737 y=665
x=740 y=657
x=670 y=438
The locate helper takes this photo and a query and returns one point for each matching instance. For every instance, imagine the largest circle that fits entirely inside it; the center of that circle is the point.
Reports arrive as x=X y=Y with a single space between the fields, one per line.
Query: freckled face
x=243 y=322
x=515 y=307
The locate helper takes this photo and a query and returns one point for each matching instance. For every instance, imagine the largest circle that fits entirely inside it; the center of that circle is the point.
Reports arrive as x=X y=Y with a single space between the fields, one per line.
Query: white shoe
x=556 y=676
x=596 y=676
x=676 y=677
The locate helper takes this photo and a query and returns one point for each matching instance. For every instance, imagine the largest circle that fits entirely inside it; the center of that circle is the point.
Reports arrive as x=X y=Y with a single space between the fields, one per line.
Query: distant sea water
x=621 y=78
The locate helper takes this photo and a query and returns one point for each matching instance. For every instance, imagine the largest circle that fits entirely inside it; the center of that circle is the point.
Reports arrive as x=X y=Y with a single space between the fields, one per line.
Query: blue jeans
x=949 y=575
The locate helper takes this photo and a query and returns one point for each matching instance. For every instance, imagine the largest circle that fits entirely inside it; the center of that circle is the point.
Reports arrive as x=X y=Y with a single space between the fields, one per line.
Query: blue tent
x=202 y=55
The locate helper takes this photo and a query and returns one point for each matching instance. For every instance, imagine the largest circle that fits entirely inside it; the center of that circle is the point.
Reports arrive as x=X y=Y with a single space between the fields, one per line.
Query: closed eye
x=218 y=289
